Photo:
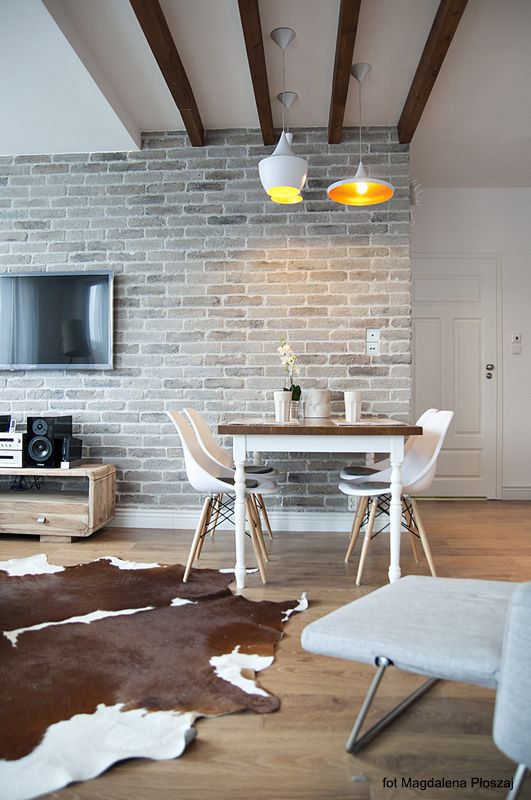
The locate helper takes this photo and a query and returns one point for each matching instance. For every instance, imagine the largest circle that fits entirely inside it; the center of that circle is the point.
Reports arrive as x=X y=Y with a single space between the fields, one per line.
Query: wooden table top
x=368 y=426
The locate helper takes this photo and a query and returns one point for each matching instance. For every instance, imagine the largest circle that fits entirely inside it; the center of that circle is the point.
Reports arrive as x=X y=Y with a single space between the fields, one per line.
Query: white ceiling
x=79 y=76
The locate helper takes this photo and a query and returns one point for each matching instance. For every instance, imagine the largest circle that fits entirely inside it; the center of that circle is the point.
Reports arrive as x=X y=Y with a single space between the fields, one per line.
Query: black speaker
x=5 y=420
x=71 y=451
x=44 y=440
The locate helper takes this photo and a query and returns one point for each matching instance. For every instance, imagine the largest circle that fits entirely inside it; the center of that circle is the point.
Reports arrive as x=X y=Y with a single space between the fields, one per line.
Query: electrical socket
x=352 y=502
x=372 y=335
x=373 y=348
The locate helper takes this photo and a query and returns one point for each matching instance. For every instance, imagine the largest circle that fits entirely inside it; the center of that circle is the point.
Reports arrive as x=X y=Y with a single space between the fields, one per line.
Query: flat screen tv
x=56 y=320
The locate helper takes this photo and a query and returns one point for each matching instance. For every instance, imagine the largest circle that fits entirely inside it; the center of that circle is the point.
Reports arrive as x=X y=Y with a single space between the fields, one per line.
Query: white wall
x=493 y=221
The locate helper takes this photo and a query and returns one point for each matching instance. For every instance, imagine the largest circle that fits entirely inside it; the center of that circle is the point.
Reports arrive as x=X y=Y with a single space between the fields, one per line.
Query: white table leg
x=239 y=455
x=395 y=511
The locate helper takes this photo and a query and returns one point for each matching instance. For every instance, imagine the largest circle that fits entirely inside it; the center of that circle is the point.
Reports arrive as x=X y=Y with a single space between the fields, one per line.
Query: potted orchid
x=288 y=359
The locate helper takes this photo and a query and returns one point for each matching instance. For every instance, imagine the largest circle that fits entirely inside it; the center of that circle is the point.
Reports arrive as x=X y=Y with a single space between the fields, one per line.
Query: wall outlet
x=352 y=502
x=373 y=348
x=373 y=335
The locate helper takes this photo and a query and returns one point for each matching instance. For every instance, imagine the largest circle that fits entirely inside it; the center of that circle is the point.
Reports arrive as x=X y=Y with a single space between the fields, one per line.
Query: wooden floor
x=298 y=753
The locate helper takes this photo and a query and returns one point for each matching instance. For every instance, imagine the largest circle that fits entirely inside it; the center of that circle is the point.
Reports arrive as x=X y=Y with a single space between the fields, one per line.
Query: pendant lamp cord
x=359 y=99
x=283 y=89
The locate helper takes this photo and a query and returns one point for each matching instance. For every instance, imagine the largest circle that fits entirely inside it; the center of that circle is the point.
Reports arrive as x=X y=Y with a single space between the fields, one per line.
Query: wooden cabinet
x=55 y=513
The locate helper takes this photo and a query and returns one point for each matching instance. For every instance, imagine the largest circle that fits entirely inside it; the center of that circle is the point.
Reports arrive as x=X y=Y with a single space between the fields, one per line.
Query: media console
x=55 y=514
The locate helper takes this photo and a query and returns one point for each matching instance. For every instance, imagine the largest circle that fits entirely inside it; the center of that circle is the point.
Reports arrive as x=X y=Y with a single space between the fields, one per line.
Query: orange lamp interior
x=361 y=193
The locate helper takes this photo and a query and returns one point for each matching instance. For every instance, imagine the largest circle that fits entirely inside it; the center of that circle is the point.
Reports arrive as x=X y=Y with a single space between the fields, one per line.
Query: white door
x=455 y=366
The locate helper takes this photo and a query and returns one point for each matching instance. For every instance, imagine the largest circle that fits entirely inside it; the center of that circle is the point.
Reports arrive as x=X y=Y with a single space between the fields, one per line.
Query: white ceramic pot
x=352 y=406
x=317 y=403
x=282 y=406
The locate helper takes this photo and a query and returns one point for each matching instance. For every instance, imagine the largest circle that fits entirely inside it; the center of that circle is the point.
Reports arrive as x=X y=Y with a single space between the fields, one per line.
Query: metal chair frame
x=355 y=743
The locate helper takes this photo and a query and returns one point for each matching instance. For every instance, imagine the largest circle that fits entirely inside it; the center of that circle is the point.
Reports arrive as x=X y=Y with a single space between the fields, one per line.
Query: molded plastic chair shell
x=207 y=441
x=420 y=462
x=215 y=452
x=353 y=473
x=205 y=475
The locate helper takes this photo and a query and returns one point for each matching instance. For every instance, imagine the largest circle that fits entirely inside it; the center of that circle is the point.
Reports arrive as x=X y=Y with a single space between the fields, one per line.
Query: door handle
x=489 y=367
x=488 y=375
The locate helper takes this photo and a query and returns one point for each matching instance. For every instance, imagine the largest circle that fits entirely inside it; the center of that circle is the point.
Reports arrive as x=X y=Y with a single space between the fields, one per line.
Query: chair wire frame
x=383 y=507
x=219 y=508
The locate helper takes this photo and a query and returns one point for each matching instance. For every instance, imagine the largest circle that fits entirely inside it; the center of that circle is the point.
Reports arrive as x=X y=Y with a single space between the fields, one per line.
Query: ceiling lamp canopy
x=284 y=174
x=361 y=190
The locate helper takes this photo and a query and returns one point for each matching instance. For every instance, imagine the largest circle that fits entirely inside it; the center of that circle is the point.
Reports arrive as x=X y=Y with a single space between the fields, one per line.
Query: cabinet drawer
x=42 y=516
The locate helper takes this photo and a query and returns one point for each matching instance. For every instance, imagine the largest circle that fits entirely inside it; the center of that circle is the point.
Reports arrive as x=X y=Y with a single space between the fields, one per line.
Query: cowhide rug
x=112 y=659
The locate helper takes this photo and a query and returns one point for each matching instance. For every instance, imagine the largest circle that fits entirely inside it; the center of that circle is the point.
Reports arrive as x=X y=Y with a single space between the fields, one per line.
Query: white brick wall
x=209 y=276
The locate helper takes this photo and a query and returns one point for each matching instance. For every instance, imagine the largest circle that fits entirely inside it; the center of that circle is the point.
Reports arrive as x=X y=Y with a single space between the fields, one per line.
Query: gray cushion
x=357 y=472
x=258 y=469
x=248 y=484
x=512 y=720
x=442 y=627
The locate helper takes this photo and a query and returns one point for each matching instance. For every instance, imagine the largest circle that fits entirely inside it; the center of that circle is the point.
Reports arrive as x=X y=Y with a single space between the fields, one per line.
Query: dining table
x=318 y=435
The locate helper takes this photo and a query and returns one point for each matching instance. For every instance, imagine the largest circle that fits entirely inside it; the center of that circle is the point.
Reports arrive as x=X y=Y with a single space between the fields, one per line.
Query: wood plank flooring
x=298 y=753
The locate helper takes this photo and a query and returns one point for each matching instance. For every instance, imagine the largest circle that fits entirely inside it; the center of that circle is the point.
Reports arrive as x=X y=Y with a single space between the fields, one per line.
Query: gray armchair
x=512 y=713
x=473 y=631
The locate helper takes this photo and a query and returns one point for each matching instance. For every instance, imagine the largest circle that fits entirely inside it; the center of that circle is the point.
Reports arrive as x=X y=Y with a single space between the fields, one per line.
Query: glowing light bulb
x=361 y=187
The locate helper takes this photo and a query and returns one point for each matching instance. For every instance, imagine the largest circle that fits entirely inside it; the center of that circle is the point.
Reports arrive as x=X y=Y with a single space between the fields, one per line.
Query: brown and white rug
x=113 y=659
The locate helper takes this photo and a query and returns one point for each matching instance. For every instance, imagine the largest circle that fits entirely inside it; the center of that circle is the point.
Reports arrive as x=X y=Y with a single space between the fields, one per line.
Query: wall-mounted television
x=56 y=320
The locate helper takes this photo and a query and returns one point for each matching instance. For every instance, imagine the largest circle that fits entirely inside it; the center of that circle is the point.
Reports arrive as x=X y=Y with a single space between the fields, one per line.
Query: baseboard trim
x=516 y=493
x=186 y=519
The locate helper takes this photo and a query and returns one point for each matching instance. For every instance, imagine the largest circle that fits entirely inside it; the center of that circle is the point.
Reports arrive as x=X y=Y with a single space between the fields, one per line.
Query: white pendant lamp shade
x=361 y=190
x=283 y=174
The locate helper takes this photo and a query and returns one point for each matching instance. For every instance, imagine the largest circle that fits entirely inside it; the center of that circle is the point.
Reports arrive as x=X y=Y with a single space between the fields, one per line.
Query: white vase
x=317 y=403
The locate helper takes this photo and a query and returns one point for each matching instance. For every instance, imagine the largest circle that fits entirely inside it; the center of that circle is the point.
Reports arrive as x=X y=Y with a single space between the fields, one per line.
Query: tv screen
x=56 y=320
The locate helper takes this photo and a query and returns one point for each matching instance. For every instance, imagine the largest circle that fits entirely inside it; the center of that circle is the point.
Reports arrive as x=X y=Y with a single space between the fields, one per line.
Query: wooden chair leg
x=218 y=500
x=412 y=537
x=356 y=527
x=205 y=527
x=423 y=537
x=255 y=542
x=258 y=526
x=264 y=515
x=367 y=540
x=197 y=537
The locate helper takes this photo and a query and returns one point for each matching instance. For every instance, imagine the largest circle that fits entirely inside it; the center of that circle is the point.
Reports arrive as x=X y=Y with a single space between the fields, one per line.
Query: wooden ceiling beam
x=347 y=27
x=254 y=45
x=158 y=35
x=440 y=37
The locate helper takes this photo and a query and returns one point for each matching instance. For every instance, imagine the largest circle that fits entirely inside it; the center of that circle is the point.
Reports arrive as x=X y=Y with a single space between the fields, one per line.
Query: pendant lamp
x=361 y=190
x=284 y=174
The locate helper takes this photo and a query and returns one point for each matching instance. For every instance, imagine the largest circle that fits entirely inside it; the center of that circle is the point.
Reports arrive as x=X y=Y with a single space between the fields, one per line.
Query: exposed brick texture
x=209 y=276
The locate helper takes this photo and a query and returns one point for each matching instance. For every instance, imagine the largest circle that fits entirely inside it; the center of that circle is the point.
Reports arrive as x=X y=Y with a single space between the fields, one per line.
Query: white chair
x=207 y=477
x=418 y=471
x=353 y=472
x=224 y=459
